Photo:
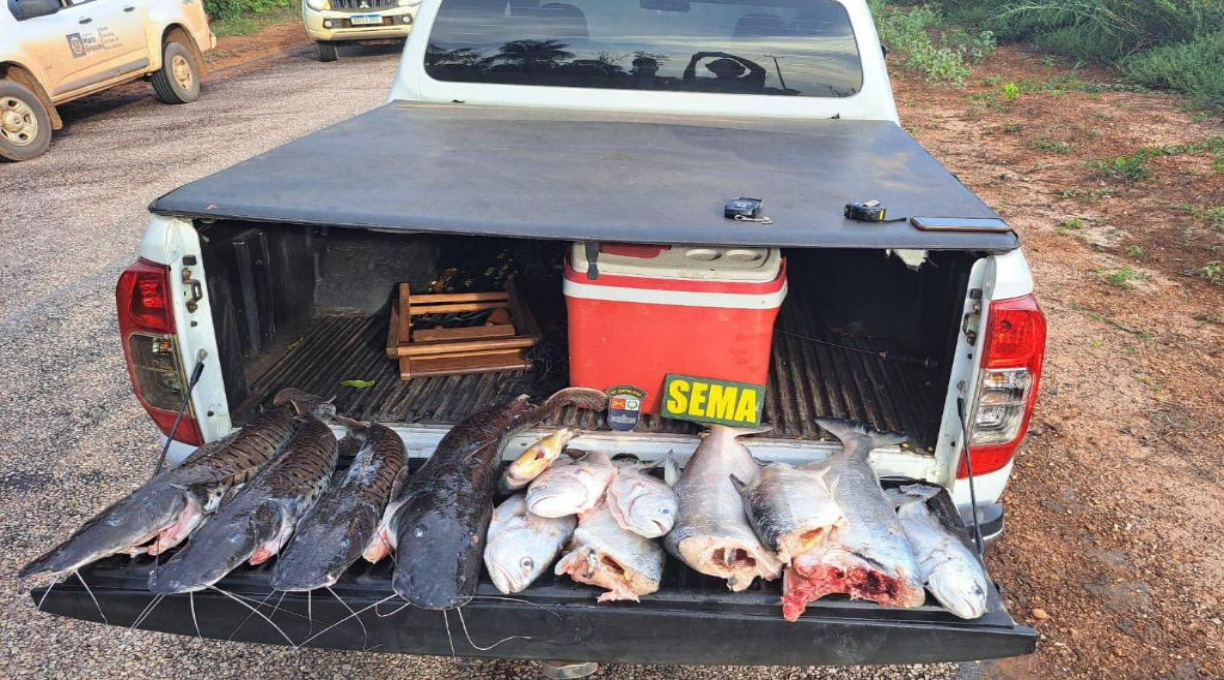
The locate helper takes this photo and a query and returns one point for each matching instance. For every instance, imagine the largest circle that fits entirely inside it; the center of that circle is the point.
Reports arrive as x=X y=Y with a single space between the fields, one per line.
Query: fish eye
x=666 y=511
x=527 y=563
x=418 y=531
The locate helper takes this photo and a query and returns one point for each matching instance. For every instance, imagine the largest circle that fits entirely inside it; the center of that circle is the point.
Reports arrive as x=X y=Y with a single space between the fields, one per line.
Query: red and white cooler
x=651 y=310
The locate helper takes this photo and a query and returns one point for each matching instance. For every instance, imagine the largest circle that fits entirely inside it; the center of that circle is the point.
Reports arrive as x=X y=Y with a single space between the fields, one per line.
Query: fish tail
x=582 y=397
x=849 y=430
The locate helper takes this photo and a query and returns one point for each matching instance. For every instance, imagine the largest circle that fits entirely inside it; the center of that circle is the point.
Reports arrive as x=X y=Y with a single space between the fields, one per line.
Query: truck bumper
x=691 y=620
x=329 y=26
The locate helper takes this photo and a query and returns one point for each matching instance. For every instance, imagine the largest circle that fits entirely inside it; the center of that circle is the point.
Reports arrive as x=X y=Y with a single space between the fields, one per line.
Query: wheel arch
x=179 y=31
x=20 y=74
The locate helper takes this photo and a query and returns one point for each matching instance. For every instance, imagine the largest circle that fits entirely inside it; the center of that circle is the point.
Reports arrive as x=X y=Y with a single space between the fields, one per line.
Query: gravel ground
x=69 y=223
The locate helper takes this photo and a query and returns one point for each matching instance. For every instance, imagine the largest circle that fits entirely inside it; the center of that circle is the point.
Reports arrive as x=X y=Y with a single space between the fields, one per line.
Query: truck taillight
x=146 y=328
x=1012 y=353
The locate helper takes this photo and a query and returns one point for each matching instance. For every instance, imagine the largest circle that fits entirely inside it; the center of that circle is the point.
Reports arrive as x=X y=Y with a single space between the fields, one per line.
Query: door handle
x=85 y=20
x=130 y=9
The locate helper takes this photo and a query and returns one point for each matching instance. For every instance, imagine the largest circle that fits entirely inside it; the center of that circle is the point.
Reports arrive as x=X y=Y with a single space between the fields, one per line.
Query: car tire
x=178 y=80
x=329 y=51
x=25 y=124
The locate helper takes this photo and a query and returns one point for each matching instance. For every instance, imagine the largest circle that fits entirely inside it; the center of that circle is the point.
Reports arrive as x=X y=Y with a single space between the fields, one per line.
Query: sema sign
x=712 y=401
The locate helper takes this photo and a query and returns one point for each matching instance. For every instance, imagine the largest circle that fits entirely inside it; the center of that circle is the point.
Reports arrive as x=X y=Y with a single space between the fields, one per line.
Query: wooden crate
x=498 y=344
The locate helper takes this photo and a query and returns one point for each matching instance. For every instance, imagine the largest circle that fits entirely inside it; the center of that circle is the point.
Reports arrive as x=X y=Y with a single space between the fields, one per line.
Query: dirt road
x=1116 y=501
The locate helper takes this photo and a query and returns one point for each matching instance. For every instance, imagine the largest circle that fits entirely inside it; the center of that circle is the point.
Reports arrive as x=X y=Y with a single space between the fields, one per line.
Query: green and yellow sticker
x=704 y=400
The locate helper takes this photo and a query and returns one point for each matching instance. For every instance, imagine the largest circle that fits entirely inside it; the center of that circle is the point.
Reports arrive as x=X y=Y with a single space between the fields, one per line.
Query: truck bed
x=847 y=378
x=692 y=619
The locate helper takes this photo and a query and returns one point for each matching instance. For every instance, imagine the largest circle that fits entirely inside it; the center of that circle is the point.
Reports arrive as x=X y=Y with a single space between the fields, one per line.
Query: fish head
x=516 y=558
x=960 y=588
x=217 y=547
x=652 y=514
x=127 y=524
x=437 y=554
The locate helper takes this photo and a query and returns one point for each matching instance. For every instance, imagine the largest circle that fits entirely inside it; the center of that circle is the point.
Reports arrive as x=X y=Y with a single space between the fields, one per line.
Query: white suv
x=54 y=51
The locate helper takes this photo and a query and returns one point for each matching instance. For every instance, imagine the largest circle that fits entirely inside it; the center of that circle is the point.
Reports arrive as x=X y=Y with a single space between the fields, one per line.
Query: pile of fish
x=271 y=489
x=602 y=515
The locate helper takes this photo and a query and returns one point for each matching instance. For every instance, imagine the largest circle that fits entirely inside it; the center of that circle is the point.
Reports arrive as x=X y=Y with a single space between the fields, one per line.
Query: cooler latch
x=592 y=257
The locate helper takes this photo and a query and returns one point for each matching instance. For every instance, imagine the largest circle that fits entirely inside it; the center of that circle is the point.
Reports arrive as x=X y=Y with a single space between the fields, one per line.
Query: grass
x=1134 y=252
x=1123 y=278
x=1214 y=217
x=1134 y=167
x=1056 y=145
x=250 y=22
x=1175 y=44
x=1212 y=272
x=927 y=43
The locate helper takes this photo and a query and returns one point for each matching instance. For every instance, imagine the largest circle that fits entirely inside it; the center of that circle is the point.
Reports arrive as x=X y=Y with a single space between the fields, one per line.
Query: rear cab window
x=803 y=48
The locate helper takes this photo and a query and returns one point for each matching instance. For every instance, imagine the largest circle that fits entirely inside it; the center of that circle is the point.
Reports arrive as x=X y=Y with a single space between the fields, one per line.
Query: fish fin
x=912 y=493
x=742 y=431
x=671 y=470
x=351 y=423
x=846 y=429
x=740 y=486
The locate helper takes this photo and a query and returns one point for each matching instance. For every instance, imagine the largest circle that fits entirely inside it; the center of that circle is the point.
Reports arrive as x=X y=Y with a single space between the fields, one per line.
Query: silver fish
x=792 y=509
x=712 y=533
x=642 y=503
x=257 y=521
x=332 y=536
x=535 y=460
x=603 y=554
x=571 y=489
x=521 y=545
x=867 y=557
x=951 y=571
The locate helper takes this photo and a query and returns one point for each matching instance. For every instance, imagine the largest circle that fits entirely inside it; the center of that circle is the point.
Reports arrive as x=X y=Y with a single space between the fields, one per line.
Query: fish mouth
x=503 y=579
x=553 y=506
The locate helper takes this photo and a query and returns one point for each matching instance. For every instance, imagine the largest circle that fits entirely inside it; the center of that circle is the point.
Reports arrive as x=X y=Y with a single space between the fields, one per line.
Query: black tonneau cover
x=552 y=174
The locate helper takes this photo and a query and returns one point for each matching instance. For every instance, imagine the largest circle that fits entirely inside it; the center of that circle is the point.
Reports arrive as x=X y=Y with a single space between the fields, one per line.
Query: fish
x=522 y=545
x=946 y=566
x=441 y=525
x=161 y=513
x=712 y=534
x=642 y=503
x=571 y=489
x=603 y=554
x=535 y=460
x=254 y=524
x=337 y=530
x=791 y=508
x=867 y=557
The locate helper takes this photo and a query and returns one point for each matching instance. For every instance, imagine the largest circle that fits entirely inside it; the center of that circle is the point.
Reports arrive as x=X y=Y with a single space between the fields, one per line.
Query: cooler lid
x=704 y=263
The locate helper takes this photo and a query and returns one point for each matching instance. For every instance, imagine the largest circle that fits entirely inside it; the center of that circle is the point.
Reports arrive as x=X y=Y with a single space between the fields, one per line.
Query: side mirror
x=32 y=9
x=884 y=49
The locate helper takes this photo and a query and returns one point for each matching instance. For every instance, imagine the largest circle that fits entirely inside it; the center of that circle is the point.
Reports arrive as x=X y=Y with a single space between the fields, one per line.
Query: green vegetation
x=1123 y=277
x=1176 y=44
x=1212 y=216
x=1055 y=145
x=1132 y=168
x=1134 y=252
x=1212 y=271
x=1011 y=92
x=242 y=17
x=927 y=43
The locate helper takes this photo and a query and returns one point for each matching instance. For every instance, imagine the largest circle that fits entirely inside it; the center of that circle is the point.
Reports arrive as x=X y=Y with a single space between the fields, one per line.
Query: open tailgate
x=693 y=619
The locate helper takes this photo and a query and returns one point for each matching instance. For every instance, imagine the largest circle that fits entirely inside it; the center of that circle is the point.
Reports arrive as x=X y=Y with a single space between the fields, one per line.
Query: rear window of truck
x=762 y=47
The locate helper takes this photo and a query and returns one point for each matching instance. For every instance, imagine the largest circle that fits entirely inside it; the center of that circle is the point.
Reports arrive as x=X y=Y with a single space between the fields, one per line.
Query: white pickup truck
x=55 y=51
x=519 y=134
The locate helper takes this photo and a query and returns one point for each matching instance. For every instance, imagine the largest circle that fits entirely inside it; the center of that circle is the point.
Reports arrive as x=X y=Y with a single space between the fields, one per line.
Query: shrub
x=944 y=57
x=1195 y=67
x=230 y=9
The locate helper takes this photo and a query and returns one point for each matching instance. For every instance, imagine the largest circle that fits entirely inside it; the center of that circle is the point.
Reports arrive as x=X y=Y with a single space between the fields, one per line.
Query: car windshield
x=763 y=47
